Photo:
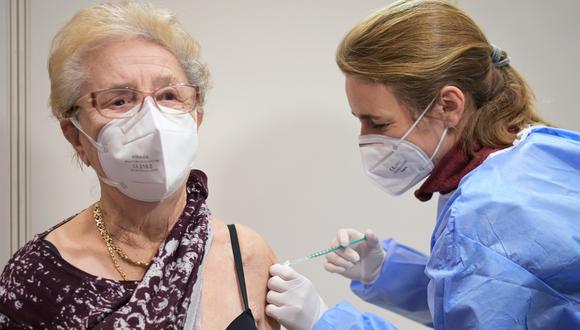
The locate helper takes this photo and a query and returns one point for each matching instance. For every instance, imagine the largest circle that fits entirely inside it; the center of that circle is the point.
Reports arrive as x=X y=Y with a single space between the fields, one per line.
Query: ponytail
x=419 y=46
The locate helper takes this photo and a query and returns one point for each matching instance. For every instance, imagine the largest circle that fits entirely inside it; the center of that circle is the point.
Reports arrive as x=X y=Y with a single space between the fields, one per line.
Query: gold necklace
x=113 y=249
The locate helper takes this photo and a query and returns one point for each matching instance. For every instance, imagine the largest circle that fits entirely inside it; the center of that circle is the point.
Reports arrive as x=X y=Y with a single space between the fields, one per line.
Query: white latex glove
x=292 y=299
x=362 y=261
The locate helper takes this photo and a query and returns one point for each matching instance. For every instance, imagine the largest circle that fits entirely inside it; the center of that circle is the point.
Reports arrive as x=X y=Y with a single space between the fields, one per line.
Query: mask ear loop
x=100 y=148
x=416 y=122
x=76 y=124
x=439 y=143
x=396 y=146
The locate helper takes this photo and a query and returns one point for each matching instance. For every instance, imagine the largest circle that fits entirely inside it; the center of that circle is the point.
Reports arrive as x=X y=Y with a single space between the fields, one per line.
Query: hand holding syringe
x=320 y=253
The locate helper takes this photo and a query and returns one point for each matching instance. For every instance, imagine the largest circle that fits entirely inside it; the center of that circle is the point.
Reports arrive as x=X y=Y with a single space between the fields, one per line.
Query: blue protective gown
x=505 y=253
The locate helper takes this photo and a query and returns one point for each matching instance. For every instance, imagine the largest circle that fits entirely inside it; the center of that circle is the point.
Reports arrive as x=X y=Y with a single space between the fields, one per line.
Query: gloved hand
x=362 y=261
x=292 y=299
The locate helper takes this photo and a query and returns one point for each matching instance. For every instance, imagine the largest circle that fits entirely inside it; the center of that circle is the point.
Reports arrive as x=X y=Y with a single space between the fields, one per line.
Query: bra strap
x=238 y=263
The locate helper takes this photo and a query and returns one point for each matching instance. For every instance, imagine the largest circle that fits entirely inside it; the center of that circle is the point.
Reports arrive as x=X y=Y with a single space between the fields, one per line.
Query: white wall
x=543 y=39
x=59 y=187
x=278 y=142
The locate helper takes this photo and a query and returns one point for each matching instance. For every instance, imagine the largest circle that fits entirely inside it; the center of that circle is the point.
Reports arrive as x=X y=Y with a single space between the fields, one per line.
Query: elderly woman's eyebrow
x=166 y=79
x=158 y=81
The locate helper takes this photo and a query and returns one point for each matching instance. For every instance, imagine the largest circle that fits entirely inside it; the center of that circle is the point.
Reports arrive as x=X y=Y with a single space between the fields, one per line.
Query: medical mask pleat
x=394 y=163
x=134 y=116
x=148 y=156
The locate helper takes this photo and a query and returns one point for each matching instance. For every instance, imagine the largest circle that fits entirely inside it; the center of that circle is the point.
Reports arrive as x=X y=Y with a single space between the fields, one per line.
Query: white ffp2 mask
x=395 y=164
x=147 y=156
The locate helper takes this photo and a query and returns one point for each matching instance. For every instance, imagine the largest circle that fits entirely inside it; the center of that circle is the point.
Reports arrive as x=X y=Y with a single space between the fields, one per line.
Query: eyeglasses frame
x=93 y=98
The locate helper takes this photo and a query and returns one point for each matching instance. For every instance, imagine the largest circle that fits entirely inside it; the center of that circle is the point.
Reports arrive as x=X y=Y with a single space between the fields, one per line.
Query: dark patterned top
x=40 y=290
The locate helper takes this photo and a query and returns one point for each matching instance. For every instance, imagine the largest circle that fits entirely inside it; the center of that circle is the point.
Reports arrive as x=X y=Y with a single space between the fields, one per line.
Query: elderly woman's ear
x=200 y=114
x=71 y=133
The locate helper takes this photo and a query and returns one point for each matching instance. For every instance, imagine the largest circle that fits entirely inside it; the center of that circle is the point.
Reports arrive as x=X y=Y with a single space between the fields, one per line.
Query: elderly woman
x=128 y=89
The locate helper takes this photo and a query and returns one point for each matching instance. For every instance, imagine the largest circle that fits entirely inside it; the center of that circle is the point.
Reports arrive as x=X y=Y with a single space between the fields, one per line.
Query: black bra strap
x=238 y=263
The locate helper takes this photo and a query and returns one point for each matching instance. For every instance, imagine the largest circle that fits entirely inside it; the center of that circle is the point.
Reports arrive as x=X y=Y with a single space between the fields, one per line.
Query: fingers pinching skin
x=273 y=311
x=285 y=272
x=277 y=284
x=275 y=298
x=297 y=305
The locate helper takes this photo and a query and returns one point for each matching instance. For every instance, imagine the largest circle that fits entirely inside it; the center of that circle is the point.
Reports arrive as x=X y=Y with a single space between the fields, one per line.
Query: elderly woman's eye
x=119 y=102
x=167 y=96
x=116 y=100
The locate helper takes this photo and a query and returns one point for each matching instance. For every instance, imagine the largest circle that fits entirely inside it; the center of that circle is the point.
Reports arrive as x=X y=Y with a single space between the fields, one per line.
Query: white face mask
x=147 y=156
x=394 y=164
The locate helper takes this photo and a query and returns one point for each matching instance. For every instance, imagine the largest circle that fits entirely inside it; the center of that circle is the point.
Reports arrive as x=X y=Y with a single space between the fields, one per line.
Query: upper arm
x=499 y=262
x=257 y=258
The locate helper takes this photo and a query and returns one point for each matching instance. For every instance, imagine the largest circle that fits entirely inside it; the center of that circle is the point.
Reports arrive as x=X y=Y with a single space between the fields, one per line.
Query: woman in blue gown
x=437 y=100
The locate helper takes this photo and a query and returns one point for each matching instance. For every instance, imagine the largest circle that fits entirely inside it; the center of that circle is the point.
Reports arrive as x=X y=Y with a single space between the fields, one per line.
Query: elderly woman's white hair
x=94 y=26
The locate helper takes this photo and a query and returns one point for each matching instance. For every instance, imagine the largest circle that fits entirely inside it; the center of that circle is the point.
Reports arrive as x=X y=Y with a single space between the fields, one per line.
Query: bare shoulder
x=257 y=257
x=220 y=232
x=255 y=249
x=222 y=280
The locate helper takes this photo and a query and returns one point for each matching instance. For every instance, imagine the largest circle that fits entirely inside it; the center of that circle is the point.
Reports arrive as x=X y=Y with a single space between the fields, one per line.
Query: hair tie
x=496 y=57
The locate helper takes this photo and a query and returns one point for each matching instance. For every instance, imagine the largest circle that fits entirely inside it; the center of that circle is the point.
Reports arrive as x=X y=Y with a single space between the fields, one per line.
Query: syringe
x=320 y=253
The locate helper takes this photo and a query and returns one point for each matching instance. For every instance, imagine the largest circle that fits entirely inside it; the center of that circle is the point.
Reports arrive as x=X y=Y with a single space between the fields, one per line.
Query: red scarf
x=451 y=169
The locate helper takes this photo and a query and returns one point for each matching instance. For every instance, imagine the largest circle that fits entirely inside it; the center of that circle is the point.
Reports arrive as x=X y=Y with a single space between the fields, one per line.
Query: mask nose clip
x=148 y=102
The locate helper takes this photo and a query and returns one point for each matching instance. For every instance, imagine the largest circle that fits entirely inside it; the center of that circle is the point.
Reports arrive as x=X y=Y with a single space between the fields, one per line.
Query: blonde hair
x=419 y=46
x=92 y=27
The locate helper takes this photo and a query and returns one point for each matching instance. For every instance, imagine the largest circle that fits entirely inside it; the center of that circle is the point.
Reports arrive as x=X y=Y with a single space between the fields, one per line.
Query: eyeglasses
x=116 y=102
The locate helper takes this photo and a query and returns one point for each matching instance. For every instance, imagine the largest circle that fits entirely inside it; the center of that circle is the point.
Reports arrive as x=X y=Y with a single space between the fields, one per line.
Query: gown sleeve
x=345 y=316
x=402 y=284
x=401 y=287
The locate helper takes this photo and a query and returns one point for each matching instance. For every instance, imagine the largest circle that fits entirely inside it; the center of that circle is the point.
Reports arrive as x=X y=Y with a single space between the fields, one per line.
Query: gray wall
x=278 y=142
x=4 y=133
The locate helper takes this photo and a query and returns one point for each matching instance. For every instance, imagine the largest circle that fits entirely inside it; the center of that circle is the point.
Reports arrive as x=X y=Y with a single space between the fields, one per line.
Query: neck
x=138 y=223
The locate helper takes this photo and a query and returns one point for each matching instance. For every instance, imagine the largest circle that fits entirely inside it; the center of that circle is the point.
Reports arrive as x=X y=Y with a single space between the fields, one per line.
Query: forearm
x=402 y=284
x=345 y=316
